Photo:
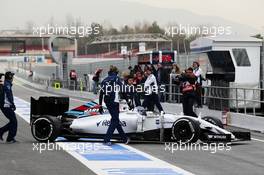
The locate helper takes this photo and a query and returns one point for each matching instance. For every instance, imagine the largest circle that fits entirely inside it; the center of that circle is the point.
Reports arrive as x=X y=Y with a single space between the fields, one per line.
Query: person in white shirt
x=151 y=92
x=198 y=73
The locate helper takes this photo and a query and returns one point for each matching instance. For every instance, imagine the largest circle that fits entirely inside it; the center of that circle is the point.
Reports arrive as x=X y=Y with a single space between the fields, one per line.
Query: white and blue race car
x=51 y=118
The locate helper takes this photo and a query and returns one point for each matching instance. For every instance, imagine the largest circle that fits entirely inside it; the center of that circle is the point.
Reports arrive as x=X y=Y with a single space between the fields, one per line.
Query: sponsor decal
x=107 y=123
x=216 y=137
x=98 y=123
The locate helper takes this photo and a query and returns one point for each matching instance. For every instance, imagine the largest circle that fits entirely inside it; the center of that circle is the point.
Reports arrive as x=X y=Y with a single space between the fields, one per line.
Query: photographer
x=188 y=89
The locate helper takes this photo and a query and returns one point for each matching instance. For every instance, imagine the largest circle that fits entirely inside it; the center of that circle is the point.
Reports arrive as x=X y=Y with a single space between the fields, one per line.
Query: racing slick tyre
x=214 y=121
x=46 y=128
x=185 y=130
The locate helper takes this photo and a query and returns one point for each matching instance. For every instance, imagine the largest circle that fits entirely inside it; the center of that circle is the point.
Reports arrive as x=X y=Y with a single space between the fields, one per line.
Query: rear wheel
x=46 y=128
x=185 y=130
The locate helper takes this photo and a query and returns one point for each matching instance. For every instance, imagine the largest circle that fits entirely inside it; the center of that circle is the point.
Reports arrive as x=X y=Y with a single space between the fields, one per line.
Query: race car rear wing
x=53 y=106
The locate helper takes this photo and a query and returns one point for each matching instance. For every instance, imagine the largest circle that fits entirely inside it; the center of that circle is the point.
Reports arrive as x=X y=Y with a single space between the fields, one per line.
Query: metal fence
x=214 y=97
x=222 y=98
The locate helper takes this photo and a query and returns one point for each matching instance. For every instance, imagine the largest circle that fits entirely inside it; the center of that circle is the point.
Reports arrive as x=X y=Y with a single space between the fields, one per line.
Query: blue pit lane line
x=100 y=152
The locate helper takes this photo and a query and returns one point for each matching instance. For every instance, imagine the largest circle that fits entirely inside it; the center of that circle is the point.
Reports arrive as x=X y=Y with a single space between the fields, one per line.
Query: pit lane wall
x=254 y=123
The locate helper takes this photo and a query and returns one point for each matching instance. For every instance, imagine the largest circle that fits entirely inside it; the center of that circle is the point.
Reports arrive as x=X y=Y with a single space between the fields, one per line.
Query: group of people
x=162 y=76
x=8 y=107
x=151 y=79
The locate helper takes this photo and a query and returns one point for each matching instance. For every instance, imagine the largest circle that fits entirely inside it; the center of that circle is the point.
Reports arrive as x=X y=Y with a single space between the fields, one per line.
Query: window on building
x=241 y=57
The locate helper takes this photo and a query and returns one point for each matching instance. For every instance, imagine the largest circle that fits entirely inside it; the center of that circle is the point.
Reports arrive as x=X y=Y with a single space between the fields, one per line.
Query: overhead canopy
x=206 y=44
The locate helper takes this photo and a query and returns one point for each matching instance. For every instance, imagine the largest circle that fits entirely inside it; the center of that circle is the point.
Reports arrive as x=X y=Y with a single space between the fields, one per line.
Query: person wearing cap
x=151 y=92
x=8 y=107
x=110 y=95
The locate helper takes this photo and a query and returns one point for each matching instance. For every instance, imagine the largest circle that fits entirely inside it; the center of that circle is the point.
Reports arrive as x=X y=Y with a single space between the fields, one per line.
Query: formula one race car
x=50 y=118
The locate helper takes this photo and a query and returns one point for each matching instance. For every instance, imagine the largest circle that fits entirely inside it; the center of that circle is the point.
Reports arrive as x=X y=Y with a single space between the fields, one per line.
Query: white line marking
x=259 y=140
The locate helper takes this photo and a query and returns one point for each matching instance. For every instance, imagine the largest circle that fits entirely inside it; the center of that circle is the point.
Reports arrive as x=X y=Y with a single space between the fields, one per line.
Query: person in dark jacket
x=162 y=80
x=8 y=107
x=2 y=89
x=188 y=89
x=96 y=79
x=130 y=94
x=111 y=99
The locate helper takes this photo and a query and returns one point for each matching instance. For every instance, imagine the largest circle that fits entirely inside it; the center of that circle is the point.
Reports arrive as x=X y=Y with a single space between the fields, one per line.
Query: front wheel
x=185 y=130
x=46 y=128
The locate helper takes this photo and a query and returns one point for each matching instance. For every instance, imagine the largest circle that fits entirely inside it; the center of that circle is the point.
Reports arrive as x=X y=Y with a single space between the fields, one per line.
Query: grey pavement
x=19 y=159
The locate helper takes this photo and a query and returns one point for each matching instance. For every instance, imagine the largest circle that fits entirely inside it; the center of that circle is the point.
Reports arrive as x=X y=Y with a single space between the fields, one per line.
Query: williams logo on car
x=107 y=123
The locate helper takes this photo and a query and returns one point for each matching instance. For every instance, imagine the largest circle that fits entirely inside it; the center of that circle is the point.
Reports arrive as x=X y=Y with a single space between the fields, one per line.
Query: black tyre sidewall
x=195 y=125
x=56 y=126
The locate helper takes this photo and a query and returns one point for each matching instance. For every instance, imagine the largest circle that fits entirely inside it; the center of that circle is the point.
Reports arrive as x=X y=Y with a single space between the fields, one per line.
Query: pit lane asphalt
x=19 y=159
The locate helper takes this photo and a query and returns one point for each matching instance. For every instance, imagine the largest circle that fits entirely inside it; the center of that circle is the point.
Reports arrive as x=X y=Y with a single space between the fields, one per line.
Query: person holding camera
x=188 y=89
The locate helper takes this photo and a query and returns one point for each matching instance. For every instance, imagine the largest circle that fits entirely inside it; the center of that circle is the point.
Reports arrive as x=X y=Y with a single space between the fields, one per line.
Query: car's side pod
x=53 y=106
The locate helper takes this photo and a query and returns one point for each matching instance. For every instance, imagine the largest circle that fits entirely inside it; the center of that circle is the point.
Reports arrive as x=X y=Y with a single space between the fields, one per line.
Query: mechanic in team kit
x=8 y=107
x=110 y=95
x=188 y=89
x=130 y=93
x=151 y=92
x=2 y=81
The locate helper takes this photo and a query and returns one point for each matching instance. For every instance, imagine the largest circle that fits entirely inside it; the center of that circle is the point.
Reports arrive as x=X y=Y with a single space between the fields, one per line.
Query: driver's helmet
x=141 y=110
x=123 y=106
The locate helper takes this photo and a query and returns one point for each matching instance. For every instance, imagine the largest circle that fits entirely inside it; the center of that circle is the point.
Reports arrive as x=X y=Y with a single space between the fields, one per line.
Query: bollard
x=81 y=85
x=161 y=127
